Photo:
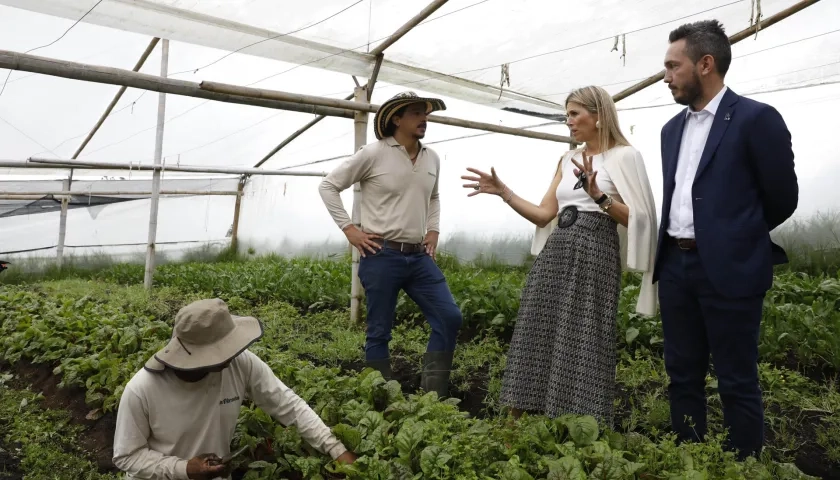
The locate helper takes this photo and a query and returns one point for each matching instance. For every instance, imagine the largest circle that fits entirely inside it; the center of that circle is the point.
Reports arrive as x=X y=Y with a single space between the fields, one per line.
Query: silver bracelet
x=509 y=196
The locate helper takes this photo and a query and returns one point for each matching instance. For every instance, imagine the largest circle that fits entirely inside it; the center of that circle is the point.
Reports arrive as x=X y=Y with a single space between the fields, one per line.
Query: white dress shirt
x=697 y=127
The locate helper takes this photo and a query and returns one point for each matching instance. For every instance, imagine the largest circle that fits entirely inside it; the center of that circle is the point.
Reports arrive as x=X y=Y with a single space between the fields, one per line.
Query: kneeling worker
x=178 y=414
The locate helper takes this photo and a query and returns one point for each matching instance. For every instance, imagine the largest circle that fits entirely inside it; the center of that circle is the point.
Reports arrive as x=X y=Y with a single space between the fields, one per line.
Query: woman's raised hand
x=484 y=182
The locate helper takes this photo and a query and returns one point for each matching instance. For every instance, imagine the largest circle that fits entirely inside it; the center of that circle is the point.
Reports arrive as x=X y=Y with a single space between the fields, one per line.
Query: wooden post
x=234 y=236
x=62 y=222
x=153 y=210
x=360 y=123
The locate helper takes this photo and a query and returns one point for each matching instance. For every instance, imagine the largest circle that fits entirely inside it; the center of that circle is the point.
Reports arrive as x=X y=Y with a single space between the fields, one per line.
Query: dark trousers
x=697 y=321
x=387 y=272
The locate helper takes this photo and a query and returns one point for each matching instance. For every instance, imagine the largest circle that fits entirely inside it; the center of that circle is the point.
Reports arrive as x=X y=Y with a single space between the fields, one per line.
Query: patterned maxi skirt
x=562 y=356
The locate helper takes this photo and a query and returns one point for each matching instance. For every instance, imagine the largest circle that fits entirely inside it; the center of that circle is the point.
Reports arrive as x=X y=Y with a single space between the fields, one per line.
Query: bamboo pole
x=234 y=236
x=360 y=126
x=266 y=94
x=117 y=97
x=66 y=193
x=153 y=208
x=53 y=163
x=14 y=196
x=222 y=92
x=745 y=33
x=62 y=223
x=373 y=77
x=117 y=76
x=293 y=136
x=424 y=14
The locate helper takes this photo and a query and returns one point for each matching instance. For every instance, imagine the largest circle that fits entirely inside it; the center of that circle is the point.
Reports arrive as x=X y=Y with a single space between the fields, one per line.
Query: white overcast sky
x=49 y=116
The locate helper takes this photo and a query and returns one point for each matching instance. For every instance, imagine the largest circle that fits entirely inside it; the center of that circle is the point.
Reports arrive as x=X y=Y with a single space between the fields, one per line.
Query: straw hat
x=382 y=120
x=206 y=335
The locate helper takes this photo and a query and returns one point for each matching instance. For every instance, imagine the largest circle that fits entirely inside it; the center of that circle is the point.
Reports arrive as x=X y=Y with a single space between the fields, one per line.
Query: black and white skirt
x=562 y=357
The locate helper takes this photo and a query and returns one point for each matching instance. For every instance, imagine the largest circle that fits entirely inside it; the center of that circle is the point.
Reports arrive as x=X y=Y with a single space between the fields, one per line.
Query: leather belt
x=401 y=246
x=684 y=243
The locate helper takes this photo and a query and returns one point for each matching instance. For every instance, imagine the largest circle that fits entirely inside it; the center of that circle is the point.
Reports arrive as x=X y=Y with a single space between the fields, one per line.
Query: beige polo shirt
x=399 y=200
x=163 y=422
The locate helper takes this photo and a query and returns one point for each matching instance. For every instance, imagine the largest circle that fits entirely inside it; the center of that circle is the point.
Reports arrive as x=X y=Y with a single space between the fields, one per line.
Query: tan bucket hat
x=205 y=335
x=382 y=119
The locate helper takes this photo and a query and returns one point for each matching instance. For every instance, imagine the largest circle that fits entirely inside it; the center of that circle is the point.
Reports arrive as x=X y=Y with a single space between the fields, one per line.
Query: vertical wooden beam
x=153 y=210
x=360 y=121
x=234 y=236
x=62 y=223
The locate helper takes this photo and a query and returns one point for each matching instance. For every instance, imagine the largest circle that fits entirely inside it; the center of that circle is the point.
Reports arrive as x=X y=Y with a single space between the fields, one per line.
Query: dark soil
x=97 y=438
x=9 y=465
x=823 y=374
x=472 y=399
x=811 y=457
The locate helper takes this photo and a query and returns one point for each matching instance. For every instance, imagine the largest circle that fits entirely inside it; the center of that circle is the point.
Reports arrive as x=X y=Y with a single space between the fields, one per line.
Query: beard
x=688 y=94
x=419 y=134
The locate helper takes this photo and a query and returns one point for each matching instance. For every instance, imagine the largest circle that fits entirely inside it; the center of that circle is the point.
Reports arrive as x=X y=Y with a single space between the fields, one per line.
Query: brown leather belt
x=402 y=247
x=684 y=243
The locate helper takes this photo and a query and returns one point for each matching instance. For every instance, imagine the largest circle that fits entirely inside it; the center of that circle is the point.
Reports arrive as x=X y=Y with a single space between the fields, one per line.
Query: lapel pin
x=726 y=117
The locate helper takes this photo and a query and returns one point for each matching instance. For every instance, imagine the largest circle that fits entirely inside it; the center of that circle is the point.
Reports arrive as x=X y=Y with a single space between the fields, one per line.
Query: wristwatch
x=605 y=202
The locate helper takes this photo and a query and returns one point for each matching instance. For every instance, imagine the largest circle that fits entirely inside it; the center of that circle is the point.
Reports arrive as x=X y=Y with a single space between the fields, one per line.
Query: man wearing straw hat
x=177 y=416
x=400 y=217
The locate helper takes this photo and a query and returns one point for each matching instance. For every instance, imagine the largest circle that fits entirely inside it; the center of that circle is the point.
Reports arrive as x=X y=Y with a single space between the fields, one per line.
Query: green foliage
x=802 y=315
x=43 y=440
x=99 y=334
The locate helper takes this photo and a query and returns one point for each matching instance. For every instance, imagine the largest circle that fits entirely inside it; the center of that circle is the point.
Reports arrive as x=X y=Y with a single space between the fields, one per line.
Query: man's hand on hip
x=361 y=240
x=431 y=243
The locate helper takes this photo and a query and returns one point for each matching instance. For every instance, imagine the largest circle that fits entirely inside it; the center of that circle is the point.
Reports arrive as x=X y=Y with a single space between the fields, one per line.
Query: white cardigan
x=626 y=168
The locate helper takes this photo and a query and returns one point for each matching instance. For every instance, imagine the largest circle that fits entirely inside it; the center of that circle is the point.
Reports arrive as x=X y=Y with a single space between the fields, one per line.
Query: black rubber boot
x=383 y=366
x=437 y=367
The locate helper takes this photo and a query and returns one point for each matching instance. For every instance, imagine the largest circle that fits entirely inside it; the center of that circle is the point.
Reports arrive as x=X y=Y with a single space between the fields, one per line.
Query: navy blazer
x=745 y=187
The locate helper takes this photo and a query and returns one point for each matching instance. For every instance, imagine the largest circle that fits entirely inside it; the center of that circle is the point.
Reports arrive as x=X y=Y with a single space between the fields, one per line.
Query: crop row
x=97 y=336
x=801 y=324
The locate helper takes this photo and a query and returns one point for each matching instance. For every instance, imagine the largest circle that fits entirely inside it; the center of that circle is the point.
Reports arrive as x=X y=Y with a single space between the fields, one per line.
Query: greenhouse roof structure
x=519 y=59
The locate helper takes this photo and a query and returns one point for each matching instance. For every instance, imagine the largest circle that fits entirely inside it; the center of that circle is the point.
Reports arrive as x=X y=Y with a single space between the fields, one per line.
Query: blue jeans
x=383 y=275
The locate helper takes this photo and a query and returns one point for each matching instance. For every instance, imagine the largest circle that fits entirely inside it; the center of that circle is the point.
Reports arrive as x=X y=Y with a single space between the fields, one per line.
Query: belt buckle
x=568 y=216
x=683 y=244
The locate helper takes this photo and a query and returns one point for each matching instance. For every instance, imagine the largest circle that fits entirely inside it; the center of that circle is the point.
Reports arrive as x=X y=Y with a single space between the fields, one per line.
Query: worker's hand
x=205 y=467
x=347 y=457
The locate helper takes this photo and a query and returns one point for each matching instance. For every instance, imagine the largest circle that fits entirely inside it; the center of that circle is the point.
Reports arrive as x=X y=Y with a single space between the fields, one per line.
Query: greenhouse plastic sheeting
x=550 y=47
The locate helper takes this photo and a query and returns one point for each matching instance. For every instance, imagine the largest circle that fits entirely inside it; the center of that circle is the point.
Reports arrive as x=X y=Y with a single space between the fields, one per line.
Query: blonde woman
x=563 y=353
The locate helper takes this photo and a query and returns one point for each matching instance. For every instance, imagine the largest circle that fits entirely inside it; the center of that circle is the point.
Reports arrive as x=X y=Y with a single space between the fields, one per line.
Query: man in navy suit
x=728 y=181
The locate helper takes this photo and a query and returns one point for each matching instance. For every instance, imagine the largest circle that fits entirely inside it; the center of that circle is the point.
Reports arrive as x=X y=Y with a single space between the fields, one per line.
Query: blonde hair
x=598 y=102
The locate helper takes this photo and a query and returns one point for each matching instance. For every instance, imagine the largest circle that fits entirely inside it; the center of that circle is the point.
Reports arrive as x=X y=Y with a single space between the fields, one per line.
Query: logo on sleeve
x=229 y=400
